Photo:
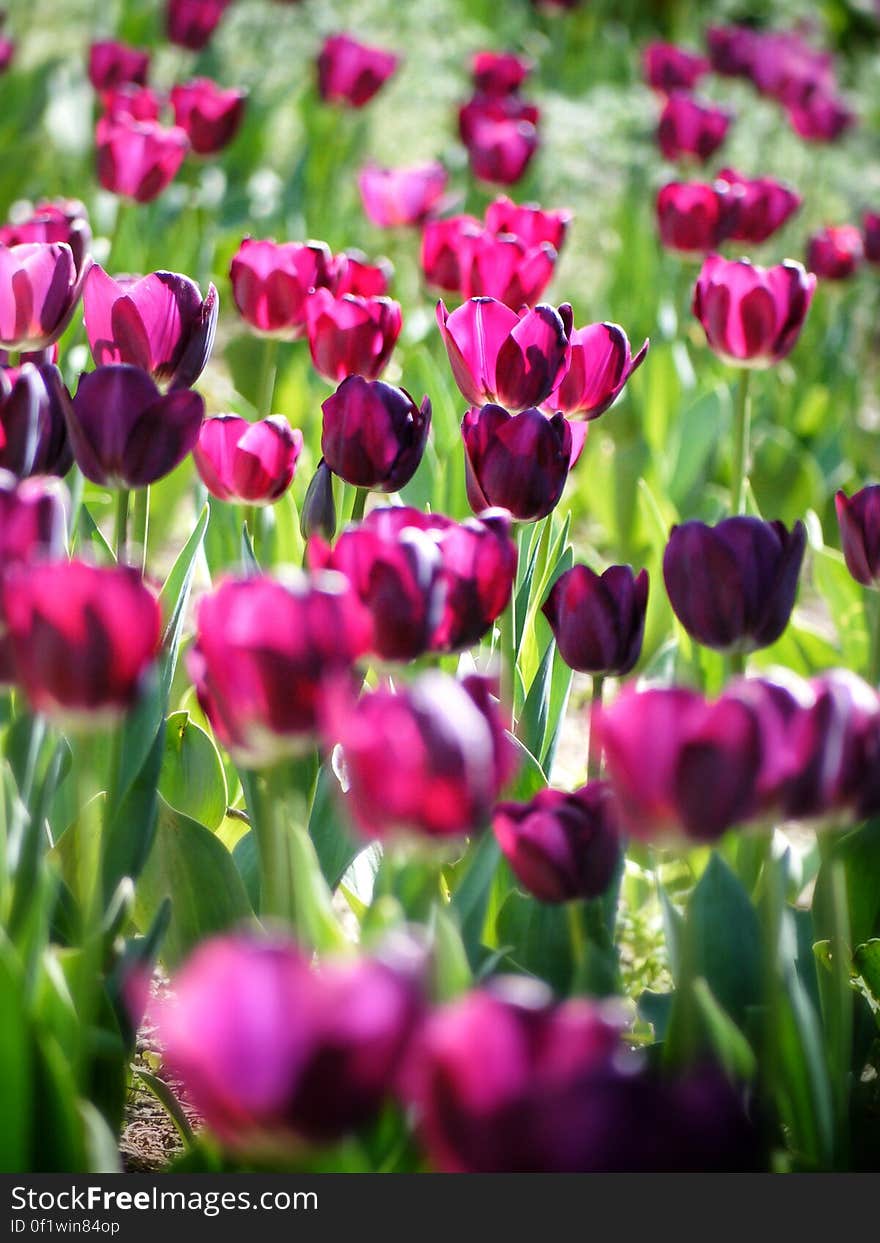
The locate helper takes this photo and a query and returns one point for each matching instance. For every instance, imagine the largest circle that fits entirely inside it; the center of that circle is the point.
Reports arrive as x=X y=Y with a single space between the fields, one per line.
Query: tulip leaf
x=722 y=939
x=538 y=939
x=169 y=1103
x=859 y=852
x=246 y=857
x=732 y=1049
x=470 y=899
x=192 y=779
x=533 y=722
x=17 y=1117
x=335 y=843
x=451 y=971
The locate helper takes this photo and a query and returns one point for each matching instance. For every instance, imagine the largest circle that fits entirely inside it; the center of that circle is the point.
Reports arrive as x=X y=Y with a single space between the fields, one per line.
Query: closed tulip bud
x=113 y=64
x=752 y=316
x=430 y=758
x=33 y=519
x=350 y=72
x=33 y=406
x=694 y=218
x=351 y=336
x=138 y=159
x=501 y=136
x=834 y=253
x=53 y=220
x=561 y=846
x=499 y=355
x=40 y=285
x=858 y=517
x=354 y=274
x=318 y=512
x=443 y=242
x=504 y=267
x=601 y=363
x=271 y=282
x=871 y=236
x=190 y=23
x=691 y=128
x=733 y=586
x=401 y=196
x=125 y=433
x=529 y=222
x=519 y=462
x=598 y=620
x=499 y=73
x=373 y=434
x=251 y=463
x=271 y=1048
x=480 y=109
x=210 y=115
x=732 y=50
x=82 y=637
x=159 y=323
x=763 y=205
x=667 y=67
x=821 y=116
x=140 y=103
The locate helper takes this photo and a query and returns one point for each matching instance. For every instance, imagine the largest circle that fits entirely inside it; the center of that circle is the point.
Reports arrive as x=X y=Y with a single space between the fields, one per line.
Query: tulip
x=501 y=137
x=752 y=316
x=82 y=637
x=251 y=463
x=33 y=519
x=598 y=620
x=40 y=286
x=190 y=23
x=732 y=586
x=210 y=115
x=763 y=205
x=140 y=103
x=138 y=159
x=429 y=758
x=731 y=49
x=318 y=510
x=518 y=462
x=503 y=267
x=498 y=355
x=114 y=64
x=350 y=72
x=871 y=236
x=270 y=1048
x=858 y=517
x=55 y=220
x=561 y=846
x=601 y=363
x=159 y=323
x=499 y=73
x=528 y=222
x=694 y=218
x=667 y=67
x=7 y=53
x=125 y=433
x=443 y=242
x=350 y=335
x=821 y=117
x=271 y=281
x=787 y=68
x=355 y=275
x=373 y=434
x=834 y=253
x=33 y=406
x=401 y=196
x=691 y=128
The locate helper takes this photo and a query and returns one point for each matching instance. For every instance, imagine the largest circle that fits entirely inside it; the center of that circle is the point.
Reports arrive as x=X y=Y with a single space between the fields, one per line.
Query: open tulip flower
x=115 y=64
x=752 y=316
x=34 y=405
x=600 y=365
x=210 y=115
x=835 y=253
x=139 y=103
x=693 y=217
x=401 y=196
x=528 y=221
x=40 y=286
x=691 y=128
x=353 y=273
x=351 y=335
x=501 y=136
x=350 y=72
x=373 y=434
x=251 y=463
x=518 y=462
x=138 y=159
x=53 y=220
x=271 y=282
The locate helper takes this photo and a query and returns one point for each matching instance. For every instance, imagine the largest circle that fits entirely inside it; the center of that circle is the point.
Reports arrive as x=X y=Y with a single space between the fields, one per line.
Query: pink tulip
x=40 y=286
x=190 y=23
x=354 y=274
x=401 y=196
x=351 y=336
x=501 y=137
x=667 y=67
x=694 y=218
x=835 y=253
x=350 y=72
x=763 y=205
x=210 y=115
x=138 y=159
x=499 y=73
x=251 y=463
x=112 y=64
x=752 y=316
x=529 y=222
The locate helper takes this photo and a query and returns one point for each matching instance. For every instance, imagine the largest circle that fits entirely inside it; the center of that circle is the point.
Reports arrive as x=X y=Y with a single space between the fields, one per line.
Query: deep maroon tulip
x=140 y=103
x=858 y=517
x=124 y=432
x=752 y=316
x=190 y=23
x=691 y=128
x=499 y=355
x=667 y=67
x=33 y=407
x=732 y=586
x=251 y=463
x=499 y=73
x=695 y=217
x=443 y=243
x=350 y=335
x=138 y=159
x=40 y=285
x=598 y=620
x=159 y=323
x=263 y=654
x=350 y=72
x=273 y=1050
x=731 y=50
x=834 y=253
x=210 y=115
x=821 y=117
x=53 y=220
x=501 y=136
x=82 y=636
x=271 y=282
x=430 y=758
x=113 y=64
x=601 y=363
x=354 y=274
x=871 y=236
x=763 y=205
x=528 y=221
x=401 y=196
x=561 y=846
x=519 y=462
x=373 y=434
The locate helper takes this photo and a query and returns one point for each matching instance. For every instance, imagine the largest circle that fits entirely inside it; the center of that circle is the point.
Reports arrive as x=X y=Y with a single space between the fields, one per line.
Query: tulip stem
x=268 y=372
x=142 y=524
x=359 y=504
x=120 y=530
x=872 y=613
x=594 y=754
x=741 y=419
x=267 y=813
x=508 y=653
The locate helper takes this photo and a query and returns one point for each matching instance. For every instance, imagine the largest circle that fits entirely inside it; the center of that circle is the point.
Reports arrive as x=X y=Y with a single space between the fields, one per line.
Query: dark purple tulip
x=732 y=586
x=694 y=218
x=351 y=336
x=732 y=50
x=598 y=620
x=561 y=846
x=858 y=517
x=752 y=316
x=499 y=73
x=519 y=462
x=834 y=253
x=113 y=64
x=601 y=363
x=40 y=285
x=272 y=1049
x=159 y=323
x=53 y=220
x=373 y=434
x=871 y=236
x=667 y=67
x=763 y=205
x=125 y=433
x=271 y=282
x=138 y=159
x=350 y=72
x=210 y=115
x=252 y=463
x=190 y=23
x=33 y=412
x=529 y=222
x=821 y=116
x=691 y=128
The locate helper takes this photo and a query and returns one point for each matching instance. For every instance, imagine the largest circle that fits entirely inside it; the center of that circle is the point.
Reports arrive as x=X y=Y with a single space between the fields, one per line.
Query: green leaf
x=335 y=842
x=722 y=939
x=17 y=1117
x=734 y=1052
x=859 y=852
x=537 y=938
x=169 y=1103
x=451 y=971
x=192 y=779
x=471 y=897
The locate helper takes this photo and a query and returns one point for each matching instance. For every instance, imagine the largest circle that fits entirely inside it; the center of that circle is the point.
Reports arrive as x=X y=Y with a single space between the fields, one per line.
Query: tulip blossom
x=598 y=620
x=504 y=267
x=501 y=137
x=821 y=117
x=269 y=1047
x=858 y=517
x=561 y=846
x=834 y=253
x=732 y=49
x=752 y=316
x=691 y=128
x=271 y=282
x=251 y=463
x=210 y=115
x=499 y=73
x=124 y=432
x=7 y=53
x=763 y=205
x=733 y=586
x=443 y=242
x=667 y=67
x=350 y=72
x=33 y=520
x=519 y=462
x=401 y=196
x=499 y=355
x=263 y=655
x=528 y=221
x=429 y=758
x=40 y=285
x=82 y=637
x=694 y=217
x=871 y=236
x=138 y=159
x=351 y=335
x=53 y=220
x=113 y=64
x=33 y=408
x=601 y=363
x=140 y=103
x=354 y=274
x=190 y=23
x=373 y=435
x=159 y=323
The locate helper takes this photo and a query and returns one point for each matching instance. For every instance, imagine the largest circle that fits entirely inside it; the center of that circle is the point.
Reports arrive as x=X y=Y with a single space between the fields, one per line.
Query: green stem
x=741 y=419
x=543 y=550
x=359 y=504
x=120 y=529
x=267 y=814
x=268 y=371
x=142 y=524
x=736 y=662
x=594 y=754
x=872 y=616
x=508 y=654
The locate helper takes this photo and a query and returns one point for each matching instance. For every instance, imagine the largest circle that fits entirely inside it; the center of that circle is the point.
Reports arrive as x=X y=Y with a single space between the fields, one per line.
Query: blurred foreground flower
x=351 y=336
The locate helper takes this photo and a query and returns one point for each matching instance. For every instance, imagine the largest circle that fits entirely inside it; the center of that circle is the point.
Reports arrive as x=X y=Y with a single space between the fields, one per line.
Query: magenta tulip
x=519 y=462
x=499 y=73
x=190 y=23
x=350 y=72
x=40 y=286
x=210 y=115
x=501 y=137
x=138 y=159
x=401 y=196
x=871 y=236
x=139 y=103
x=33 y=520
x=667 y=67
x=835 y=253
x=251 y=463
x=113 y=64
x=821 y=117
x=271 y=282
x=354 y=274
x=601 y=363
x=350 y=335
x=598 y=620
x=693 y=217
x=443 y=244
x=691 y=128
x=528 y=221
x=763 y=205
x=34 y=402
x=53 y=220
x=732 y=49
x=752 y=316
x=502 y=266
x=373 y=435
